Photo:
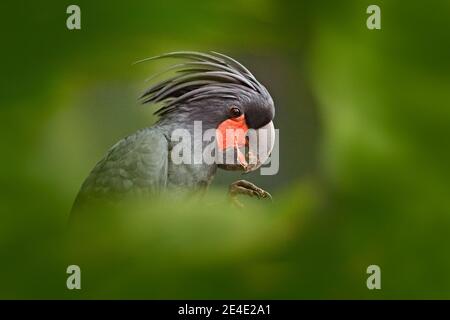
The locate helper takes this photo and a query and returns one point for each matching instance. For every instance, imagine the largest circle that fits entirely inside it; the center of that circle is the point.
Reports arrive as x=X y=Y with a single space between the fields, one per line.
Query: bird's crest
x=201 y=76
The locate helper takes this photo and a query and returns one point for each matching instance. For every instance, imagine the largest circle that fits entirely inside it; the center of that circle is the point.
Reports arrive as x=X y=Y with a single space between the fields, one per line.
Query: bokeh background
x=364 y=121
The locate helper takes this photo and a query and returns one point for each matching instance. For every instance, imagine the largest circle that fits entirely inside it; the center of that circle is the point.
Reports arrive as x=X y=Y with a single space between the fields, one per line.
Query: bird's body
x=139 y=165
x=142 y=165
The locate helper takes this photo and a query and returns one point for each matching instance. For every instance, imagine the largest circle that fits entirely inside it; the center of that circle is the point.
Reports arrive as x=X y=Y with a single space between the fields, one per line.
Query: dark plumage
x=203 y=88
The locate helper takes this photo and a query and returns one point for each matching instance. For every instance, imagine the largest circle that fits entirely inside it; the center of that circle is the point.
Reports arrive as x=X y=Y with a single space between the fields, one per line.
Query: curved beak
x=248 y=148
x=260 y=146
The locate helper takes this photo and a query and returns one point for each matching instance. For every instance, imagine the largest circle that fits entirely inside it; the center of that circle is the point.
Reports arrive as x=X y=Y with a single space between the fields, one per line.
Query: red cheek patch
x=231 y=133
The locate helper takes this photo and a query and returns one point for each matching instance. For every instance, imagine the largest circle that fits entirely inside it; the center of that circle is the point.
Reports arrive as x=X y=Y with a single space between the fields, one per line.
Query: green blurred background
x=364 y=117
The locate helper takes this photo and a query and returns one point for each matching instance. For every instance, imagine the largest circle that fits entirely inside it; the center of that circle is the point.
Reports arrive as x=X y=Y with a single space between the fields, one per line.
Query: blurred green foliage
x=363 y=115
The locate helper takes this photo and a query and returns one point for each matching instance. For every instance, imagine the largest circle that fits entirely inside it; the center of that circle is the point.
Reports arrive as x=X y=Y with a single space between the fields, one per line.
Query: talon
x=267 y=195
x=246 y=188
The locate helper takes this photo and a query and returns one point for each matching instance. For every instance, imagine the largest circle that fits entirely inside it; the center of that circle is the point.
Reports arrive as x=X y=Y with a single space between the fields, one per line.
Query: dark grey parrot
x=208 y=88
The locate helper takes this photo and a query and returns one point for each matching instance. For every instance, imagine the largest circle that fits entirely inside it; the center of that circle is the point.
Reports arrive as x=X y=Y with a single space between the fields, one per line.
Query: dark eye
x=235 y=112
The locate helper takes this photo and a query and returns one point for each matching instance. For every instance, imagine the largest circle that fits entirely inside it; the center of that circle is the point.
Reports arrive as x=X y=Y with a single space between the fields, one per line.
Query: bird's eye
x=235 y=112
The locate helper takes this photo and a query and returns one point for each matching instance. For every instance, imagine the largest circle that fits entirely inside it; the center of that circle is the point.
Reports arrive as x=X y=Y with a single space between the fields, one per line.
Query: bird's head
x=221 y=93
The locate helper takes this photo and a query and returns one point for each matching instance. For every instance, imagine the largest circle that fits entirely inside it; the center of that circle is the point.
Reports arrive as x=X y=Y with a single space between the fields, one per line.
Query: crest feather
x=202 y=76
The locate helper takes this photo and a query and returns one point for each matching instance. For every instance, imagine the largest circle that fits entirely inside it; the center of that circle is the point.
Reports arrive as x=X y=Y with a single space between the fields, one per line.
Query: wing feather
x=136 y=165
